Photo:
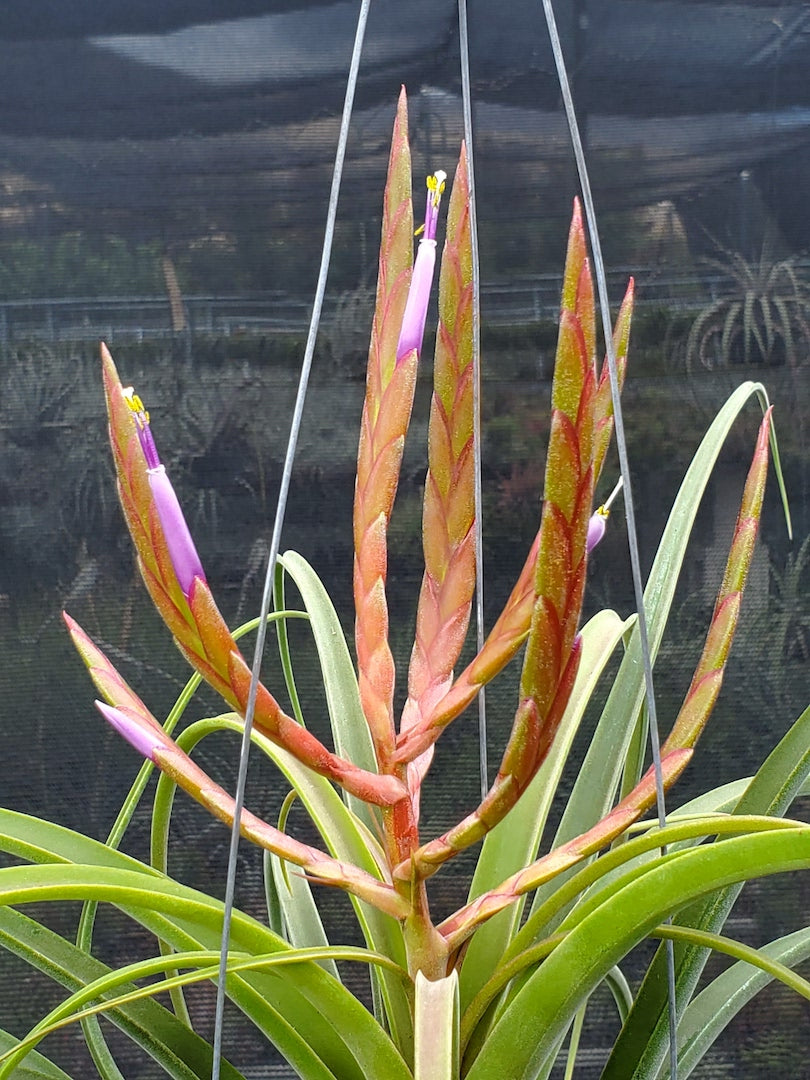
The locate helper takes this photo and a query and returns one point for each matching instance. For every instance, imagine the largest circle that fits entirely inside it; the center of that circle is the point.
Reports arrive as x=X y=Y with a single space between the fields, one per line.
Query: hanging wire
x=466 y=98
x=629 y=508
x=281 y=506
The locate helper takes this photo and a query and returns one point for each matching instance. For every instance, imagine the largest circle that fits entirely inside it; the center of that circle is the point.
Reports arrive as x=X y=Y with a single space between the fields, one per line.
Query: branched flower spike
x=552 y=651
x=512 y=626
x=127 y=714
x=173 y=575
x=390 y=387
x=461 y=924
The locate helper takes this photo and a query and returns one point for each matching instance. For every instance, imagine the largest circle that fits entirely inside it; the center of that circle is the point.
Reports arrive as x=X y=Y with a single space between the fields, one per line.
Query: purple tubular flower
x=413 y=321
x=596 y=528
x=182 y=552
x=598 y=522
x=138 y=733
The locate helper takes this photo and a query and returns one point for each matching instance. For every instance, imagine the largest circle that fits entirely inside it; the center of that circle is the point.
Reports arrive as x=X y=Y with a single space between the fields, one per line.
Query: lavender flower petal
x=413 y=321
x=182 y=552
x=139 y=734
x=596 y=528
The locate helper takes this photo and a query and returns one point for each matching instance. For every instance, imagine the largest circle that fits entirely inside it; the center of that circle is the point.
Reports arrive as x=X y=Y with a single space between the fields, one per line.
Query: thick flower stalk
x=448 y=516
x=689 y=724
x=170 y=568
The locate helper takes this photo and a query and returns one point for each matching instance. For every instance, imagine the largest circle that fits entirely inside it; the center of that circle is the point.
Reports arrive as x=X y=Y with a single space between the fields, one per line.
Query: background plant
x=764 y=318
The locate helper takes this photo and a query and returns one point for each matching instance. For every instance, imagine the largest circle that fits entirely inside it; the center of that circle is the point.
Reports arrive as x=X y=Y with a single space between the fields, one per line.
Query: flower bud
x=137 y=731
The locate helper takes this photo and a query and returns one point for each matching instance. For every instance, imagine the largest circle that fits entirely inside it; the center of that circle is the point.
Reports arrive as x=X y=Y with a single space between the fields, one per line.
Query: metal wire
x=621 y=443
x=466 y=98
x=281 y=506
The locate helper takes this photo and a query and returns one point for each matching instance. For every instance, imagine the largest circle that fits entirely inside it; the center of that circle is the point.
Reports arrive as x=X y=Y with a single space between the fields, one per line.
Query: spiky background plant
x=491 y=991
x=764 y=318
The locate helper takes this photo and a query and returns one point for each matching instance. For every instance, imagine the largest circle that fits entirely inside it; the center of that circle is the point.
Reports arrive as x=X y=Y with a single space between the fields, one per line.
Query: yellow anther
x=136 y=405
x=436 y=184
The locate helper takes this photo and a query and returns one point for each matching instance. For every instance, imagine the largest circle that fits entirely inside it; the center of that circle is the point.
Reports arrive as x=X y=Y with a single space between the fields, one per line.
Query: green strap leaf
x=720 y=943
x=345 y=838
x=181 y=1053
x=204 y=966
x=599 y=776
x=349 y=728
x=310 y=1017
x=514 y=842
x=301 y=916
x=35 y=1067
x=527 y=1030
x=642 y=1044
x=714 y=1008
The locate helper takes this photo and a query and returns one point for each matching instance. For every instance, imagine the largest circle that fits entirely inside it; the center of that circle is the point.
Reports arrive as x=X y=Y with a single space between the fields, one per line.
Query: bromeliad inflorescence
x=542 y=613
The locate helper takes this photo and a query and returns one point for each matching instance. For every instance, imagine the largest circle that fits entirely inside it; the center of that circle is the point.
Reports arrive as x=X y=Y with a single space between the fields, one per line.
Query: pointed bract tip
x=107 y=361
x=137 y=732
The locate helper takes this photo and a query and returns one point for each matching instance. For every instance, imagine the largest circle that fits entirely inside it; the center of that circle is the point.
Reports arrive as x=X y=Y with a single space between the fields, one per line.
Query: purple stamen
x=142 y=428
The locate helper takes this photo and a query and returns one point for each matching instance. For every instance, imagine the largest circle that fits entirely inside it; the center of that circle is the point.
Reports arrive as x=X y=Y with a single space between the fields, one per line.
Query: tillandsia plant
x=491 y=991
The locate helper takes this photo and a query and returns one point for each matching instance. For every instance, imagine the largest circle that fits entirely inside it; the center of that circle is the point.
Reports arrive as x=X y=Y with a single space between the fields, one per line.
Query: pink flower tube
x=182 y=551
x=413 y=321
x=598 y=523
x=138 y=732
